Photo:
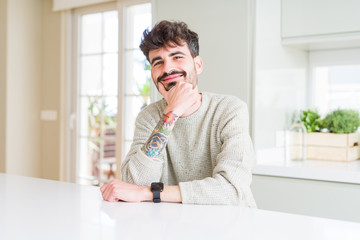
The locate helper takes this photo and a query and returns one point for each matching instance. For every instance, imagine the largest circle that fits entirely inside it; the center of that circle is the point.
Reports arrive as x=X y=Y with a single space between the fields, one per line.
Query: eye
x=178 y=57
x=157 y=63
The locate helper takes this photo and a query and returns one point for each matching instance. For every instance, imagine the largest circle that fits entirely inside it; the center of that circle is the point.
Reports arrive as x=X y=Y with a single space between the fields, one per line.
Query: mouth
x=171 y=78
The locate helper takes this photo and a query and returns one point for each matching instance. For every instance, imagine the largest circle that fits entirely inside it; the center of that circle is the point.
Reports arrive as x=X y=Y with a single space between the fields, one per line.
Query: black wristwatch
x=157 y=188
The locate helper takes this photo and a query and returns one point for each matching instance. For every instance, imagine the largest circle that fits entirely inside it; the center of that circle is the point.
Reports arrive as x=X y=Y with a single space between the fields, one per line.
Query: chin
x=170 y=85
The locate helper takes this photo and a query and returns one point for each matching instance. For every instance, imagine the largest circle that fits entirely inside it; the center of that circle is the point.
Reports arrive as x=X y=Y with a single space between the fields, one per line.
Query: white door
x=111 y=85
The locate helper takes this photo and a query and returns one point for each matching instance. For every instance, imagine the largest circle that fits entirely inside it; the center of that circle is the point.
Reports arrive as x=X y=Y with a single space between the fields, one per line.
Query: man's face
x=170 y=65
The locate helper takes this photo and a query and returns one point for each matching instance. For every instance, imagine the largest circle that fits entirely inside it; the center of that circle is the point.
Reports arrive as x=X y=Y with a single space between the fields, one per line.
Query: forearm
x=141 y=170
x=144 y=161
x=217 y=190
x=117 y=190
x=155 y=145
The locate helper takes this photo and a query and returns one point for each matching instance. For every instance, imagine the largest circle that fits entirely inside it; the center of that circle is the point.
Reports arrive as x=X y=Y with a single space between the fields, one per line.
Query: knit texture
x=209 y=154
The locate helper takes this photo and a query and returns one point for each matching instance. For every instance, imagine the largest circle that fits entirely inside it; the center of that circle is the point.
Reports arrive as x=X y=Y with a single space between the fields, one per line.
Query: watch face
x=158 y=186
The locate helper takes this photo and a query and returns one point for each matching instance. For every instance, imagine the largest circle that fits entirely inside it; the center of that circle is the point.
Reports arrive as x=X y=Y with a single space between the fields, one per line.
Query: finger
x=194 y=103
x=188 y=87
x=106 y=185
x=107 y=195
x=108 y=192
x=104 y=196
x=103 y=188
x=112 y=199
x=181 y=84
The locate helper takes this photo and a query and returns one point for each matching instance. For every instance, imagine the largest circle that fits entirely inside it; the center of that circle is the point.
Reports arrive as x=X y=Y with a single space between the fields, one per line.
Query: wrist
x=146 y=194
x=173 y=110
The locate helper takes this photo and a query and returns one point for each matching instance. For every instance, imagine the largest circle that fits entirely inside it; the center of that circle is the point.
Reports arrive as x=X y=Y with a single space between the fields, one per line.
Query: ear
x=198 y=64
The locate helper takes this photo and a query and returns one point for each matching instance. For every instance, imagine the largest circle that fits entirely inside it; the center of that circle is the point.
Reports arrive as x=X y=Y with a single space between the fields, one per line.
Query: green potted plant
x=311 y=120
x=334 y=137
x=341 y=121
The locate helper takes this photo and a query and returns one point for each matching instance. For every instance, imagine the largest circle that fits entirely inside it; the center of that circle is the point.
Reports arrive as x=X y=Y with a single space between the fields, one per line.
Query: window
x=112 y=86
x=293 y=75
x=137 y=74
x=335 y=80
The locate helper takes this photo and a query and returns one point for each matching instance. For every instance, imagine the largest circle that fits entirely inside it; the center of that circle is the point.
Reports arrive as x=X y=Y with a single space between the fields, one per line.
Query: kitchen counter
x=271 y=162
x=38 y=209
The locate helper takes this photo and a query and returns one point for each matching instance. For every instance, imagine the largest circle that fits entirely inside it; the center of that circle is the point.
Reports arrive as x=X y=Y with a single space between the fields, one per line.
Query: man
x=197 y=144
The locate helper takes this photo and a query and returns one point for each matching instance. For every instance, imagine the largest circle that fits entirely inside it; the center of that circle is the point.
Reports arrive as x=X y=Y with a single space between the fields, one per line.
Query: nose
x=168 y=66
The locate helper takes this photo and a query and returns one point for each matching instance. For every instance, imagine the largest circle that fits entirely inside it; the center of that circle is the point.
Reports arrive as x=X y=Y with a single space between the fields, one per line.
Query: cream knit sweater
x=209 y=154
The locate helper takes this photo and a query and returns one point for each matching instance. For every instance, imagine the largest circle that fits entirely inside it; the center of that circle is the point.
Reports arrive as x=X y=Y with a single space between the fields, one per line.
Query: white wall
x=23 y=81
x=50 y=91
x=280 y=76
x=225 y=44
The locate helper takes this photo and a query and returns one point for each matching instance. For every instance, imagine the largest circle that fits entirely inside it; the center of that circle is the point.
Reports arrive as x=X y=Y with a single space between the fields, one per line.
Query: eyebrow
x=176 y=53
x=171 y=54
x=155 y=59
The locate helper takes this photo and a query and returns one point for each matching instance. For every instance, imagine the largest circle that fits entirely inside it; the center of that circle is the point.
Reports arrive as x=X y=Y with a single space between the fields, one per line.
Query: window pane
x=110 y=113
x=84 y=121
x=110 y=31
x=345 y=75
x=91 y=33
x=137 y=75
x=133 y=106
x=138 y=18
x=91 y=109
x=110 y=74
x=108 y=163
x=89 y=158
x=337 y=87
x=109 y=149
x=91 y=75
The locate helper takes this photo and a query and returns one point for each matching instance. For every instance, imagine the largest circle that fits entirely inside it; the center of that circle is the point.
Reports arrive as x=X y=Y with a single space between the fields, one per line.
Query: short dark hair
x=170 y=34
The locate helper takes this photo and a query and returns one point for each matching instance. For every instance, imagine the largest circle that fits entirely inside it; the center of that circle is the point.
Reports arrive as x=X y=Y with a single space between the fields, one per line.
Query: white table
x=38 y=209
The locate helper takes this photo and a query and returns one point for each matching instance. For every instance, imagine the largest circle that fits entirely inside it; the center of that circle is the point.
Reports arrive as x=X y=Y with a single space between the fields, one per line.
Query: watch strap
x=156 y=189
x=156 y=197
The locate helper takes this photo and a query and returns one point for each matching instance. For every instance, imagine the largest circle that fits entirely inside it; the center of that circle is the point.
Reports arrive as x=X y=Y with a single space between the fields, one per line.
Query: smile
x=171 y=78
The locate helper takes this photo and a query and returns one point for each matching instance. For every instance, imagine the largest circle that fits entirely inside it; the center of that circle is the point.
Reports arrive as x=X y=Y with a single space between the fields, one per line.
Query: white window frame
x=70 y=83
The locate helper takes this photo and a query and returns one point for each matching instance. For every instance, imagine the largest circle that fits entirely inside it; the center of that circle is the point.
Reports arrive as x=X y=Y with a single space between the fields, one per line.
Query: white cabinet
x=335 y=23
x=307 y=197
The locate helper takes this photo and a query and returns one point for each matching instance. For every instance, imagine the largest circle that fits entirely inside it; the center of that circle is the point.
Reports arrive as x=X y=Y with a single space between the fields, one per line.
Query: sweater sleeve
x=231 y=177
x=137 y=168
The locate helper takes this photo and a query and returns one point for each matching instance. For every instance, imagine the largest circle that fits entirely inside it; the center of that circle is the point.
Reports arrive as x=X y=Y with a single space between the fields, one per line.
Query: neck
x=193 y=108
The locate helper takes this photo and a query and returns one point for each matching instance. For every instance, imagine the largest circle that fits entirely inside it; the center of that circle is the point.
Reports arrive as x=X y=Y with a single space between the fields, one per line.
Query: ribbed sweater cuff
x=148 y=162
x=186 y=192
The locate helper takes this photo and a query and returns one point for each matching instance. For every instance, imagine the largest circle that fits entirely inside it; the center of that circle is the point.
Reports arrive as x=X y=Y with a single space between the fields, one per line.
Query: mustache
x=170 y=73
